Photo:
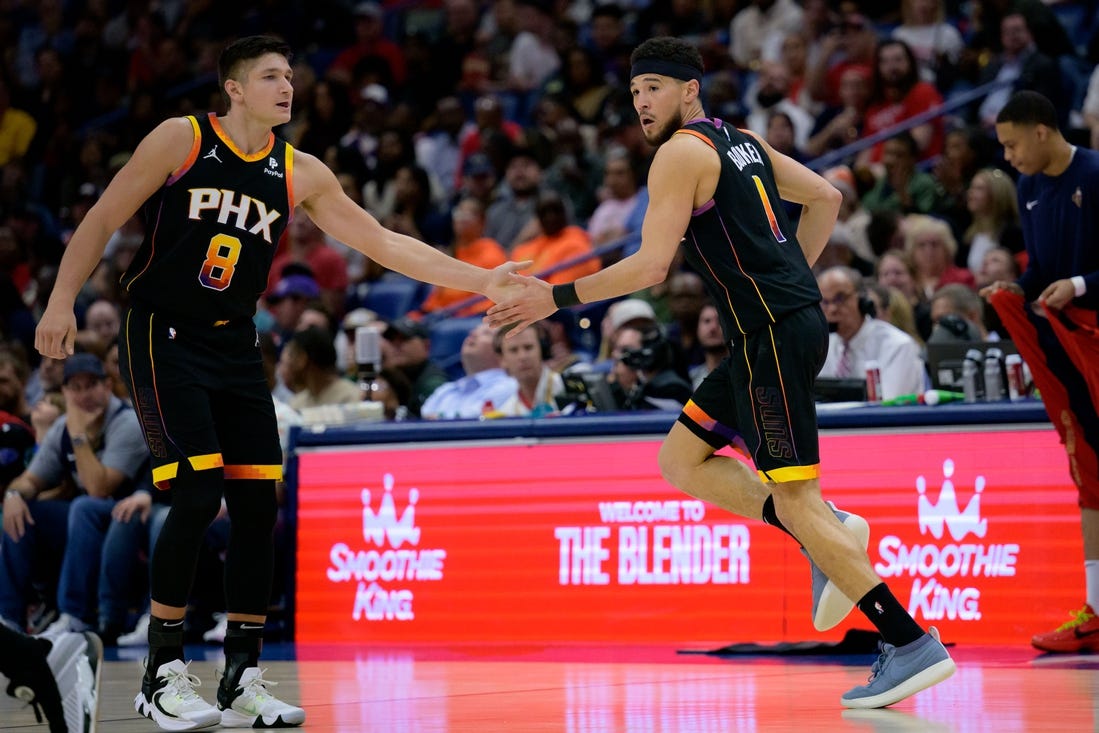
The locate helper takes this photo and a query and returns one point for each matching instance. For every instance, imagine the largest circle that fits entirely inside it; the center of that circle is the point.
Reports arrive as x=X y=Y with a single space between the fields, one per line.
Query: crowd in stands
x=504 y=129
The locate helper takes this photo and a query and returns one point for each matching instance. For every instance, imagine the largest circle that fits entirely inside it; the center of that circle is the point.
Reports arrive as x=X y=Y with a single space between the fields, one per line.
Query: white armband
x=1079 y=284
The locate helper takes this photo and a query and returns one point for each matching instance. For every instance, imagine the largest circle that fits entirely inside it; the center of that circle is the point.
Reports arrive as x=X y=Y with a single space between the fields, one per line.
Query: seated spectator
x=957 y=314
x=903 y=187
x=17 y=444
x=993 y=204
x=288 y=301
x=559 y=242
x=523 y=356
x=936 y=44
x=757 y=30
x=966 y=150
x=896 y=271
x=890 y=305
x=841 y=124
x=46 y=378
x=90 y=457
x=998 y=264
x=619 y=197
x=853 y=220
x=14 y=374
x=393 y=390
x=576 y=172
x=484 y=388
x=102 y=322
x=770 y=95
x=307 y=365
x=780 y=135
x=510 y=218
x=686 y=297
x=851 y=45
x=931 y=246
x=898 y=95
x=470 y=245
x=405 y=347
x=626 y=313
x=1023 y=66
x=110 y=365
x=714 y=346
x=643 y=376
x=859 y=337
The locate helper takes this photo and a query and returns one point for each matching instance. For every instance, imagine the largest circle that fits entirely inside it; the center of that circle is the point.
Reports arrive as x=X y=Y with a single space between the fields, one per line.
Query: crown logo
x=384 y=525
x=959 y=523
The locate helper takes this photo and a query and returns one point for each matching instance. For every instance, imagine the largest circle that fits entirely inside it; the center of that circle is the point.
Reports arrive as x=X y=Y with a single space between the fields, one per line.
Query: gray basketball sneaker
x=902 y=671
x=830 y=606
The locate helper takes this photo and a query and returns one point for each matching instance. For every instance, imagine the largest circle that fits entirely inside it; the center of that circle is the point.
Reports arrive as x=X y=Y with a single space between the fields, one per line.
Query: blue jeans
x=89 y=525
x=121 y=551
x=36 y=556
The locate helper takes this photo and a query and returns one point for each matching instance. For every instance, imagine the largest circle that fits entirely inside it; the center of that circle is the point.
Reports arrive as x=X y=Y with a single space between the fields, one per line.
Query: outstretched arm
x=341 y=218
x=162 y=151
x=680 y=167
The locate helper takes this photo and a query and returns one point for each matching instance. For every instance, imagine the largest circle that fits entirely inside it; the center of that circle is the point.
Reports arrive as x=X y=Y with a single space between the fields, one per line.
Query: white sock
x=1091 y=574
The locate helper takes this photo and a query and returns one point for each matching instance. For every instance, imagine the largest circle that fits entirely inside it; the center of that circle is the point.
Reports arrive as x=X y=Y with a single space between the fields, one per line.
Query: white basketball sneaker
x=252 y=706
x=171 y=702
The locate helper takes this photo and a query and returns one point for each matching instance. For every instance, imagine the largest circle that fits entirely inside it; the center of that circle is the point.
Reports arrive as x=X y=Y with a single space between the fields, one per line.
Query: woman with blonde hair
x=992 y=202
x=932 y=247
x=896 y=273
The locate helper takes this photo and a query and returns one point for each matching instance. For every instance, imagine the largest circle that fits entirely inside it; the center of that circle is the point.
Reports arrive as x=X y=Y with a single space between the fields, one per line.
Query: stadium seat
x=389 y=297
x=447 y=336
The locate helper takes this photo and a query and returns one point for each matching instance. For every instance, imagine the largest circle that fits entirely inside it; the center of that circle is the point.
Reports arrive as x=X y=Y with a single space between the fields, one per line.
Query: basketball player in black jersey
x=219 y=193
x=717 y=191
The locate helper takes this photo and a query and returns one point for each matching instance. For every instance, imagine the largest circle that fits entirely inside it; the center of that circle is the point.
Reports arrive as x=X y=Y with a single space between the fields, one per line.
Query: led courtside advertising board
x=584 y=542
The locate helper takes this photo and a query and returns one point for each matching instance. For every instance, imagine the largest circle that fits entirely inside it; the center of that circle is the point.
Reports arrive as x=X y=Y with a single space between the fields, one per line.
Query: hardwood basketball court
x=352 y=689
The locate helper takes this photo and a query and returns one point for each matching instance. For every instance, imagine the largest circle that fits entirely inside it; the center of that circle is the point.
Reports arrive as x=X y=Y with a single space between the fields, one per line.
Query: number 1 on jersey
x=221 y=261
x=770 y=212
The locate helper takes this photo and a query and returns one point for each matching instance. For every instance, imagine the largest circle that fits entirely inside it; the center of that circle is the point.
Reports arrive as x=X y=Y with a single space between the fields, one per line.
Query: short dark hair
x=1028 y=108
x=317 y=345
x=668 y=48
x=238 y=53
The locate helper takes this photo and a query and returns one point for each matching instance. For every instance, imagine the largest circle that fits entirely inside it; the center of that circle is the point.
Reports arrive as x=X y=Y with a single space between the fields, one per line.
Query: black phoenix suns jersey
x=212 y=229
x=741 y=242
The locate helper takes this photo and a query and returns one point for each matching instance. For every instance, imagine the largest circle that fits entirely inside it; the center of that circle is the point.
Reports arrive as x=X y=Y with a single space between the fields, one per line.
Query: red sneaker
x=1078 y=635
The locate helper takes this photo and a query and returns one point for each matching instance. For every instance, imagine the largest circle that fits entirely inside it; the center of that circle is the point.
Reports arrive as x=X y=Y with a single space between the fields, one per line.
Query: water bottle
x=994 y=375
x=1016 y=384
x=972 y=383
x=873 y=381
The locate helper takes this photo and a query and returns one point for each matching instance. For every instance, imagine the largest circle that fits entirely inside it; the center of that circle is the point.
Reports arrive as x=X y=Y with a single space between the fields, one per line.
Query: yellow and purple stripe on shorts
x=700 y=418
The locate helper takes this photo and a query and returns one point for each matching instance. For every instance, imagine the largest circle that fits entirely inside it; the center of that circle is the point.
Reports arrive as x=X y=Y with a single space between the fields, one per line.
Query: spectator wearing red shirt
x=897 y=95
x=369 y=42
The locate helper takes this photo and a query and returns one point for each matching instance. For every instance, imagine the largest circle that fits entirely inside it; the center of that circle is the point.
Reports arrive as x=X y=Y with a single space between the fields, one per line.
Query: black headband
x=674 y=69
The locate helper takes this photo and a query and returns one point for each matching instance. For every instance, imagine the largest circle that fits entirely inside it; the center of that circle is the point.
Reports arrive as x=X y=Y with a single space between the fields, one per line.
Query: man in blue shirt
x=1050 y=313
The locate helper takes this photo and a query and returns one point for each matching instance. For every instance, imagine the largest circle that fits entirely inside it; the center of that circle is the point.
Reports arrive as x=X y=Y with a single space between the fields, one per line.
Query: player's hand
x=533 y=302
x=501 y=285
x=1007 y=285
x=1059 y=294
x=56 y=332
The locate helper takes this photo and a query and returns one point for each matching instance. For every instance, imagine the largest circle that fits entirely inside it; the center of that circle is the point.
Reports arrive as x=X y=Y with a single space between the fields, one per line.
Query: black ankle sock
x=889 y=616
x=165 y=642
x=770 y=517
x=243 y=643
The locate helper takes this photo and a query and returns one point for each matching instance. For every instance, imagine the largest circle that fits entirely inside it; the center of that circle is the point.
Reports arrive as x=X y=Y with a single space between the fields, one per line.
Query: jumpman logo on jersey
x=213 y=154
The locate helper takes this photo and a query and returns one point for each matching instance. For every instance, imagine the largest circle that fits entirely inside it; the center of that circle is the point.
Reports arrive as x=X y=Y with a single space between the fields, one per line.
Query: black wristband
x=565 y=295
